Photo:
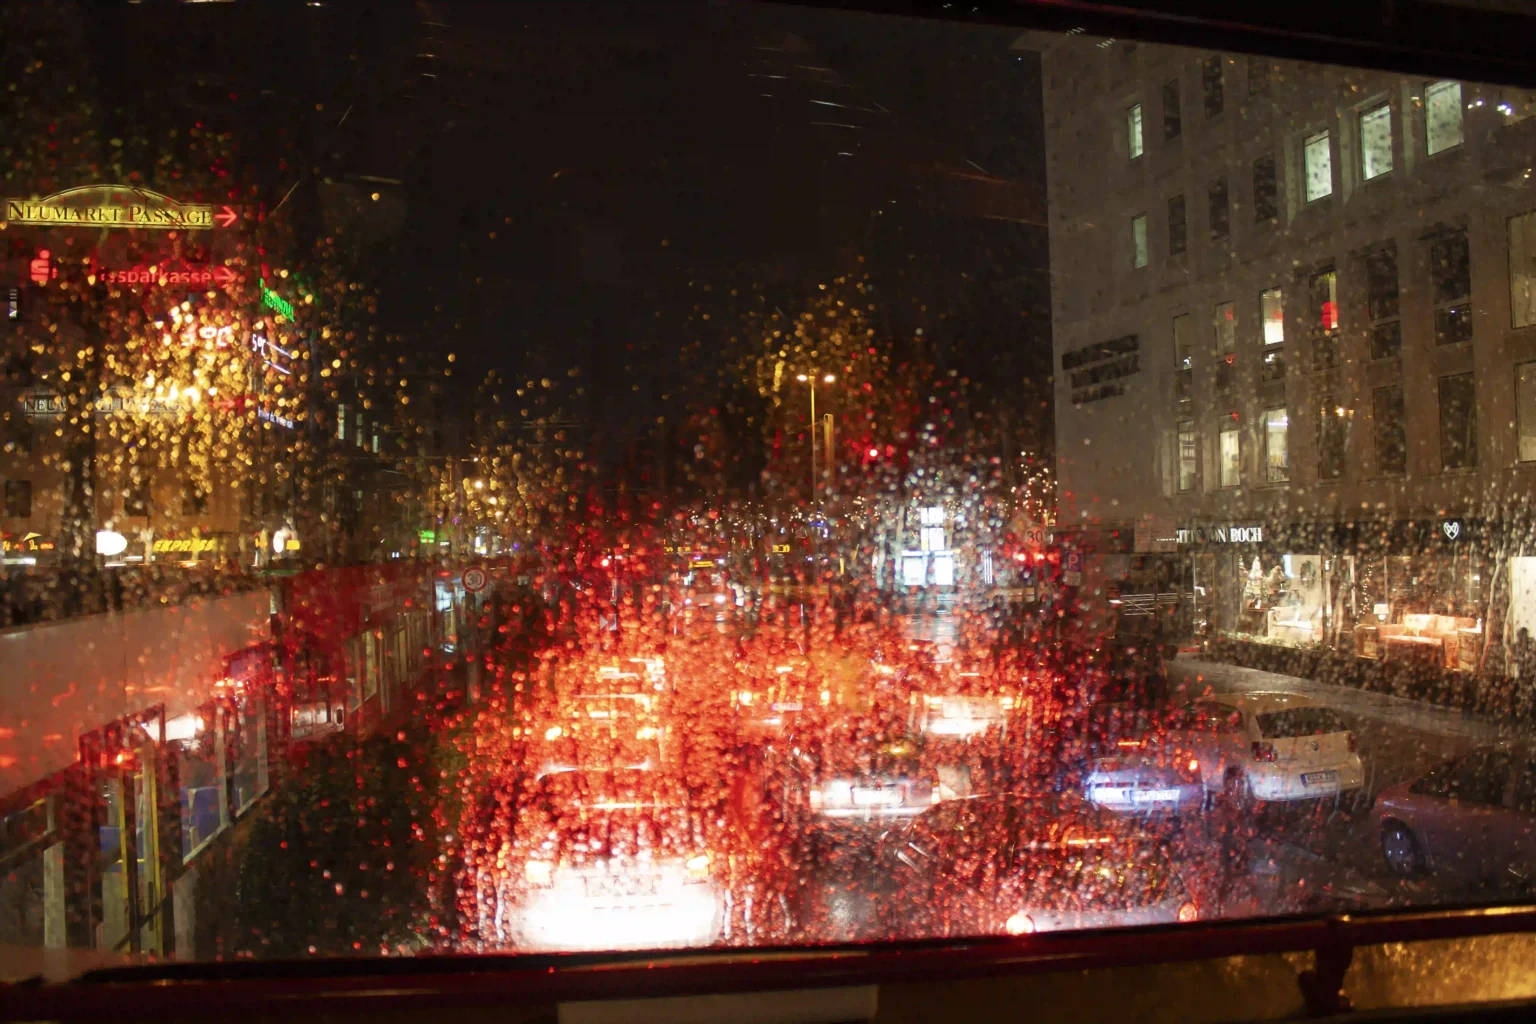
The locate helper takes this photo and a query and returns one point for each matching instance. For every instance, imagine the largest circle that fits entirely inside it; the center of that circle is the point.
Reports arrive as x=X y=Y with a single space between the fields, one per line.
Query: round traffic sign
x=474 y=579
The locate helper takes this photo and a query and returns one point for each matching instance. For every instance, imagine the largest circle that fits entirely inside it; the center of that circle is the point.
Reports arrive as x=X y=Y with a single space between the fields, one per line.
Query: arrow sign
x=226 y=216
x=224 y=277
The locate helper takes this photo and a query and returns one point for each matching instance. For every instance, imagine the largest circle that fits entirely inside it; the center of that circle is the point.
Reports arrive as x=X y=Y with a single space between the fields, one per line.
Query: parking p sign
x=1072 y=568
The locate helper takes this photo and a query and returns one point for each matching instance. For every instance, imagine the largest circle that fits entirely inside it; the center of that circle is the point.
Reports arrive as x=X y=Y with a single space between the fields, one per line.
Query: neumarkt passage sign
x=116 y=206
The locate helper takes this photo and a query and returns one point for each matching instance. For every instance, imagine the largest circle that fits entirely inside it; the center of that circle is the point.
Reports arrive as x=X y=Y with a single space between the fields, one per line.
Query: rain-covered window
x=1212 y=86
x=1178 y=228
x=1525 y=410
x=1188 y=455
x=1442 y=116
x=1220 y=210
x=1376 y=141
x=1266 y=189
x=1522 y=270
x=1332 y=438
x=1382 y=303
x=1133 y=130
x=1229 y=465
x=1173 y=122
x=1277 y=461
x=1388 y=417
x=1458 y=422
x=1272 y=314
x=1451 y=280
x=1317 y=166
x=1139 y=240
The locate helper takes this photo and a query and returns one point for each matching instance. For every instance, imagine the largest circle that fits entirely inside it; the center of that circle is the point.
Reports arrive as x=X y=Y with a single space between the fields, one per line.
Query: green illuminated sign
x=272 y=300
x=428 y=536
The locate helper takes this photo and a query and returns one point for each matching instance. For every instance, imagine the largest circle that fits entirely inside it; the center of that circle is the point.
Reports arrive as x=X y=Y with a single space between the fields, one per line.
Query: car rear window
x=1280 y=725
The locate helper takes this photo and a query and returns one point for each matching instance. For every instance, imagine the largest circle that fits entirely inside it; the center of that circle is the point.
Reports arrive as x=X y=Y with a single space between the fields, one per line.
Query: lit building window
x=1522 y=270
x=1277 y=464
x=1442 y=116
x=1376 y=142
x=1231 y=475
x=341 y=422
x=1139 y=240
x=1133 y=130
x=1187 y=455
x=1272 y=309
x=1317 y=158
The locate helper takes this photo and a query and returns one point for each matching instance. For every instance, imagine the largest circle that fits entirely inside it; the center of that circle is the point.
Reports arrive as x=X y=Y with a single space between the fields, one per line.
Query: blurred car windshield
x=756 y=434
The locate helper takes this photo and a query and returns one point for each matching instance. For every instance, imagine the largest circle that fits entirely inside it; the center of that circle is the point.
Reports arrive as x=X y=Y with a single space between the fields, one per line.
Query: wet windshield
x=440 y=440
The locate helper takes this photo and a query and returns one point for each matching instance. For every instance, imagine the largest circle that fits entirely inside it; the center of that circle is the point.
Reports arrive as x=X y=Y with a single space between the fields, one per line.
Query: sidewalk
x=1189 y=677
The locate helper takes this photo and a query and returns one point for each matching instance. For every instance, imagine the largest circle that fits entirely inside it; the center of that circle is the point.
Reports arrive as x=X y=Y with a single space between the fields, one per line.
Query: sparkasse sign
x=116 y=206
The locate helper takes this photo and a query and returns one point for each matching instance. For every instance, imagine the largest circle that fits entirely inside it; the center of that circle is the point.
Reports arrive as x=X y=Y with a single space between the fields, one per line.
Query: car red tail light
x=1354 y=744
x=1190 y=768
x=1263 y=751
x=1188 y=912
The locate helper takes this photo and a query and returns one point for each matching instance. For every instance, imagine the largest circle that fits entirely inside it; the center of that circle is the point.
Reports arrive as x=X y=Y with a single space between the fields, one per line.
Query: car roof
x=1260 y=701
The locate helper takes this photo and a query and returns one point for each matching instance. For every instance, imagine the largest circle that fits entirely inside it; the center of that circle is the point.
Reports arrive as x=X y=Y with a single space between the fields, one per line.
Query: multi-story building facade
x=1294 y=338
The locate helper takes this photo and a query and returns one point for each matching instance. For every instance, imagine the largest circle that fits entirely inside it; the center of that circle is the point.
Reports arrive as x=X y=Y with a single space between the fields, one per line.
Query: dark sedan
x=1012 y=865
x=1471 y=821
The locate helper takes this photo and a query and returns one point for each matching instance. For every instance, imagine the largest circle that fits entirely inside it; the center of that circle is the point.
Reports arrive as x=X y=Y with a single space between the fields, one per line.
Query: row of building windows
x=1442 y=124
x=1443 y=131
x=1457 y=399
x=136 y=500
x=1450 y=288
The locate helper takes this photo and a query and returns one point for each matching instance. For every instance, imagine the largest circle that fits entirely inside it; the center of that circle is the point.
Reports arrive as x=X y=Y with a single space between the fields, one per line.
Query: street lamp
x=811 y=379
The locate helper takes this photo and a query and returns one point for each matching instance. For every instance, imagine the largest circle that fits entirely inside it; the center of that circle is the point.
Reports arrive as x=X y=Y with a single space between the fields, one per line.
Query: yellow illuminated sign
x=189 y=544
x=781 y=549
x=116 y=206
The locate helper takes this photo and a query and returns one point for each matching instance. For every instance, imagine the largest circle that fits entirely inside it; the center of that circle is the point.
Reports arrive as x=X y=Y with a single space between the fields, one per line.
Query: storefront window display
x=1282 y=597
x=1428 y=607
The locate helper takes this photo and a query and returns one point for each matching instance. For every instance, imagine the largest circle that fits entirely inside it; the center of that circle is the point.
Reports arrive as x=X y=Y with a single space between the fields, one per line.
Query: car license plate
x=621 y=885
x=789 y=706
x=1153 y=796
x=1319 y=778
x=875 y=797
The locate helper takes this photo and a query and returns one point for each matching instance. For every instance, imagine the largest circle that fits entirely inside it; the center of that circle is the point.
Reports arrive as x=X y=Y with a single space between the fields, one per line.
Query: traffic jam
x=768 y=772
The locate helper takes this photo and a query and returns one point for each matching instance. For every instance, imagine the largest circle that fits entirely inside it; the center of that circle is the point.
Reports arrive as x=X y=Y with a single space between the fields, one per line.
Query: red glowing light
x=165 y=274
x=42 y=269
x=1330 y=317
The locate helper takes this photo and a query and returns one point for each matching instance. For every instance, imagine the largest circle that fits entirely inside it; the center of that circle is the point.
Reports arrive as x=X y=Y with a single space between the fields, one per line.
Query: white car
x=606 y=860
x=1270 y=746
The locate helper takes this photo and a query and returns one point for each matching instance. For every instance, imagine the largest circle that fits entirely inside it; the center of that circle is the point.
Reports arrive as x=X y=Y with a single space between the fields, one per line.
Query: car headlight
x=698 y=867
x=1019 y=924
x=554 y=732
x=539 y=873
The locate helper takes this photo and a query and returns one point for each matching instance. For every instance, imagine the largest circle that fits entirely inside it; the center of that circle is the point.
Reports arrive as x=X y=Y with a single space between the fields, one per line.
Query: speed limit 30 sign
x=473 y=579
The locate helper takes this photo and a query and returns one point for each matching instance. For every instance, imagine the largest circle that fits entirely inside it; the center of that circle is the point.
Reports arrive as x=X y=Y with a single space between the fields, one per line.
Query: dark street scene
x=564 y=485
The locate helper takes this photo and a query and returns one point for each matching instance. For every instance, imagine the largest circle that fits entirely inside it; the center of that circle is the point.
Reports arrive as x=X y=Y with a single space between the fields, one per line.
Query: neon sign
x=116 y=206
x=156 y=274
x=274 y=301
x=261 y=346
x=272 y=417
x=42 y=270
x=192 y=334
x=193 y=544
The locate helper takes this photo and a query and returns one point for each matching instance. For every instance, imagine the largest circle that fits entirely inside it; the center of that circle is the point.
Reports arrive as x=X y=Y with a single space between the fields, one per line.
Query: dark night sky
x=624 y=156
